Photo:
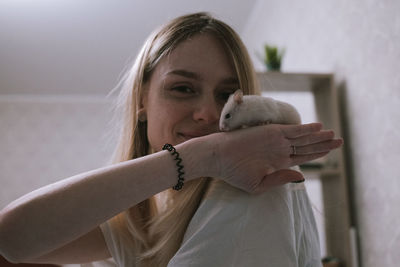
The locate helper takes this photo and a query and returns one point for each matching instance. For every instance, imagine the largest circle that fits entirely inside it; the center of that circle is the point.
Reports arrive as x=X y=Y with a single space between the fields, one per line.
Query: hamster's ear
x=238 y=96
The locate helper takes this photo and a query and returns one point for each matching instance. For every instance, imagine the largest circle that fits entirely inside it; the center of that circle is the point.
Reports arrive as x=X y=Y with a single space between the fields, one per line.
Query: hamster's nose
x=223 y=128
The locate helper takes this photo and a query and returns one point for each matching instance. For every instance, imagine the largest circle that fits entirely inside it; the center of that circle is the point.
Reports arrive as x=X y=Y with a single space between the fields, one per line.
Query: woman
x=173 y=94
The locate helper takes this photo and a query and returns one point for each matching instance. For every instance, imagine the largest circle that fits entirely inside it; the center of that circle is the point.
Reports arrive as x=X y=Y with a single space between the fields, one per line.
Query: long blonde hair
x=155 y=235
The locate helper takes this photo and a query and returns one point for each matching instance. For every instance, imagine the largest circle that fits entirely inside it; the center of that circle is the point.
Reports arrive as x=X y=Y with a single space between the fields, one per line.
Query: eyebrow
x=195 y=76
x=184 y=73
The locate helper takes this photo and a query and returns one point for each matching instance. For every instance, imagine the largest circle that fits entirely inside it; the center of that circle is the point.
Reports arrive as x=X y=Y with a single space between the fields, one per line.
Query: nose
x=223 y=128
x=207 y=111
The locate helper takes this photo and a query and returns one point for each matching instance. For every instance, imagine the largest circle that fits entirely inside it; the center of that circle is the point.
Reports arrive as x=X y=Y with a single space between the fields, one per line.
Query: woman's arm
x=87 y=248
x=57 y=214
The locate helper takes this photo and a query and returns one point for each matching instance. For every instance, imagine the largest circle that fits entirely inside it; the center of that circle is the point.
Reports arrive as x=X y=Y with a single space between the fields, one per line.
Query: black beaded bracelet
x=175 y=153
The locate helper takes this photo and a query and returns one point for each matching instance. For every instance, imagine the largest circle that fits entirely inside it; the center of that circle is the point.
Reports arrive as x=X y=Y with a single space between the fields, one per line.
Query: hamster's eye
x=227 y=116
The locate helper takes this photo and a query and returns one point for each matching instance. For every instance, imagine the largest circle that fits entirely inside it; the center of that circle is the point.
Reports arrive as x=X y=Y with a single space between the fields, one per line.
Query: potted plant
x=273 y=57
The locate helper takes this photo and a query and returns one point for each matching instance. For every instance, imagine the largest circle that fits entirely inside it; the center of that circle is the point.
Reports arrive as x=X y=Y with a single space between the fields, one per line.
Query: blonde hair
x=156 y=236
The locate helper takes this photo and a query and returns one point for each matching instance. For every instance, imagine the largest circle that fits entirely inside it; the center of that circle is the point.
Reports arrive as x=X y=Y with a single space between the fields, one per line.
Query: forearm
x=61 y=212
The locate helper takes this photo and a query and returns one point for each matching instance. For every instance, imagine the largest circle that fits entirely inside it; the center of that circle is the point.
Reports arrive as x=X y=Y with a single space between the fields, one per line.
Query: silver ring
x=293 y=150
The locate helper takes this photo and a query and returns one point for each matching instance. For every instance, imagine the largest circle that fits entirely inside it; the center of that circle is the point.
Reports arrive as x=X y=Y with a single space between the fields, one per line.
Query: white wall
x=81 y=46
x=48 y=138
x=359 y=41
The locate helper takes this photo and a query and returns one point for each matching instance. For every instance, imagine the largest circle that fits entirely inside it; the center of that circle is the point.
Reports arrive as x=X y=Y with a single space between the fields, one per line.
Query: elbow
x=11 y=255
x=7 y=252
x=8 y=258
x=11 y=243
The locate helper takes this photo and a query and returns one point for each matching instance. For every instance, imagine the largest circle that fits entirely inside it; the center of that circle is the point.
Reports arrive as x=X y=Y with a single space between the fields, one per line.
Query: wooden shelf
x=293 y=82
x=330 y=169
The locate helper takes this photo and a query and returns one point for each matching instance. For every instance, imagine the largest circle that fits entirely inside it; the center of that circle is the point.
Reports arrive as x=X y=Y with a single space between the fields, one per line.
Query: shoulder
x=221 y=192
x=234 y=228
x=234 y=209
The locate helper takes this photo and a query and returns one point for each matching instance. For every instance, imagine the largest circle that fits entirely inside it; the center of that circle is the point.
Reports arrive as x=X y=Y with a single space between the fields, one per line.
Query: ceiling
x=64 y=47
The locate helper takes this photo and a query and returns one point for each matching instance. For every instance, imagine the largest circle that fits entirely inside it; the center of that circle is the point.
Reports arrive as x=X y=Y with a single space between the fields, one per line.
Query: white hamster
x=250 y=110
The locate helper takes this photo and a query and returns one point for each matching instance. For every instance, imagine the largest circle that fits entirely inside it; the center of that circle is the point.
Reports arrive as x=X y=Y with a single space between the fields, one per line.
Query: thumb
x=279 y=177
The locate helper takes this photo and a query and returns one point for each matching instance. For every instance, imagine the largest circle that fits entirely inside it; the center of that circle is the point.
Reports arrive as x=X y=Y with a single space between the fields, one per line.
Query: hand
x=257 y=158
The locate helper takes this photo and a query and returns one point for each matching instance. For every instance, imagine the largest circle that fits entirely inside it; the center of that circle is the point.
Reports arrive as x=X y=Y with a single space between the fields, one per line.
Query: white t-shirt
x=233 y=228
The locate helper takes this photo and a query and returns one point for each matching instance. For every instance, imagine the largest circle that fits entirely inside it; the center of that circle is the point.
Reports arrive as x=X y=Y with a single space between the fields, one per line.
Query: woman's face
x=187 y=90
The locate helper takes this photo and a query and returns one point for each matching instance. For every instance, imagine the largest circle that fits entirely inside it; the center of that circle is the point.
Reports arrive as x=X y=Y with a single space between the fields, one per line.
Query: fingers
x=312 y=141
x=314 y=146
x=313 y=138
x=279 y=177
x=295 y=131
x=320 y=147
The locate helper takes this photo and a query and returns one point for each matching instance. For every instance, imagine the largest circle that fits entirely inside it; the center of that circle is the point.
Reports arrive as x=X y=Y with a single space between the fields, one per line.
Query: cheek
x=156 y=128
x=163 y=123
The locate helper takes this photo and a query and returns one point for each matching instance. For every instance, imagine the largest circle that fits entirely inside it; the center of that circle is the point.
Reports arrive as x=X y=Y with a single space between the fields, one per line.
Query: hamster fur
x=250 y=110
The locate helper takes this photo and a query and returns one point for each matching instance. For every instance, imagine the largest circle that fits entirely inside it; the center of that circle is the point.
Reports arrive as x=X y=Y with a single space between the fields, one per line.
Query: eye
x=182 y=89
x=227 y=116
